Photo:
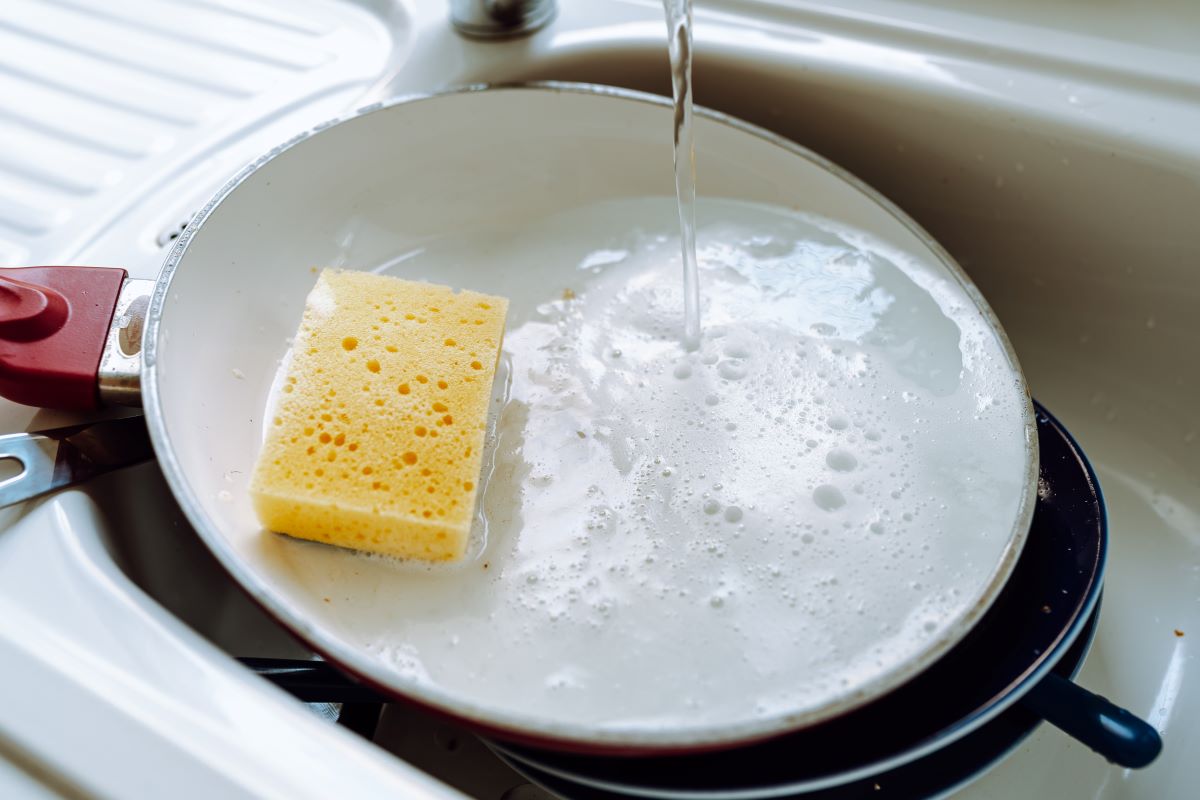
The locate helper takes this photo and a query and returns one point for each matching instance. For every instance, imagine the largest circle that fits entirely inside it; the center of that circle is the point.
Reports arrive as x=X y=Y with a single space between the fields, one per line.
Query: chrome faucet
x=500 y=19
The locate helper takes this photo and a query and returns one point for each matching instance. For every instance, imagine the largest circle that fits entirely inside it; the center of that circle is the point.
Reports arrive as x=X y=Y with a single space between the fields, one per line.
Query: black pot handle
x=1113 y=732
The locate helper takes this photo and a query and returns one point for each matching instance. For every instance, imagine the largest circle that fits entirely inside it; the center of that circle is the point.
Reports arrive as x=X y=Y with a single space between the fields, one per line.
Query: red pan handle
x=53 y=324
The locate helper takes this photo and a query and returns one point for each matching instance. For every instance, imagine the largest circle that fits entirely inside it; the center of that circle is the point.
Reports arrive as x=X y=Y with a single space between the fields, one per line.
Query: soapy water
x=677 y=536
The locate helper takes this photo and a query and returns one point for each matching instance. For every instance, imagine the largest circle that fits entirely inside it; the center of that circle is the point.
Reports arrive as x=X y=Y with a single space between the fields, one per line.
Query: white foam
x=321 y=302
x=680 y=537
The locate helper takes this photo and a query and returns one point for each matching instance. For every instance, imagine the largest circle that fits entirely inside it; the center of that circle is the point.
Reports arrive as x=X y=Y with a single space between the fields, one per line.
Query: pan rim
x=527 y=728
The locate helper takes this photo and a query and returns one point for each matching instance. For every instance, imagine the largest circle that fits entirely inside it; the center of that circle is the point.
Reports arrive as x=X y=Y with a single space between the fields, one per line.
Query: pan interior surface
x=632 y=585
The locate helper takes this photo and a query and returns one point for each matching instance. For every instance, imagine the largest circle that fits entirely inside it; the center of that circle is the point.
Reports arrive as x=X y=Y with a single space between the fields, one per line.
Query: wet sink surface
x=1067 y=191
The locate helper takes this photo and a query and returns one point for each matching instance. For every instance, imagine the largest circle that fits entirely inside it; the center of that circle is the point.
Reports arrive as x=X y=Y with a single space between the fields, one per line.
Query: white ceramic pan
x=752 y=639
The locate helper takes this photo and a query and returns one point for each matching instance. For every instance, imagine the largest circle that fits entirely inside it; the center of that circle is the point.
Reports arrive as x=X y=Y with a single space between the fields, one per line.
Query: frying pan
x=355 y=193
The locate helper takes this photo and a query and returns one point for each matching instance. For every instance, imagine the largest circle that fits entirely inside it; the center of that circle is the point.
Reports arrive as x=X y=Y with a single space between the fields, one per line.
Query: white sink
x=1049 y=147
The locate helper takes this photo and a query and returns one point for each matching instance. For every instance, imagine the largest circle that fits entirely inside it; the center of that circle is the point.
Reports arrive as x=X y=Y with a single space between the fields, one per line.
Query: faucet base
x=500 y=19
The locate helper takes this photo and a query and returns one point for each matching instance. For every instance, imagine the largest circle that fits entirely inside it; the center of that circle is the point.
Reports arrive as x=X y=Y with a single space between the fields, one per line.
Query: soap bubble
x=732 y=370
x=841 y=460
x=828 y=498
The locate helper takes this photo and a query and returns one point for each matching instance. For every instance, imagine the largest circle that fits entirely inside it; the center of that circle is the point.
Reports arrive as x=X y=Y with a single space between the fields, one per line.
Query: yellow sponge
x=378 y=437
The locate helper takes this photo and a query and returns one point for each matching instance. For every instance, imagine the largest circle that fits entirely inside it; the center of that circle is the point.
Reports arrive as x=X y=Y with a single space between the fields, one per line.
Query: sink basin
x=1066 y=184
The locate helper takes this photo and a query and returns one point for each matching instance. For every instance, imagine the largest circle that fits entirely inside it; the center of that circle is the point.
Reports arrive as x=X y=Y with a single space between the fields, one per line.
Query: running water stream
x=679 y=32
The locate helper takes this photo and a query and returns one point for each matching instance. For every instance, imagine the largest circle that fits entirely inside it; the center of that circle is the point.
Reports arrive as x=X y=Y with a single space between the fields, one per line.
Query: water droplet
x=828 y=498
x=711 y=506
x=841 y=460
x=732 y=370
x=733 y=514
x=711 y=400
x=683 y=371
x=838 y=423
